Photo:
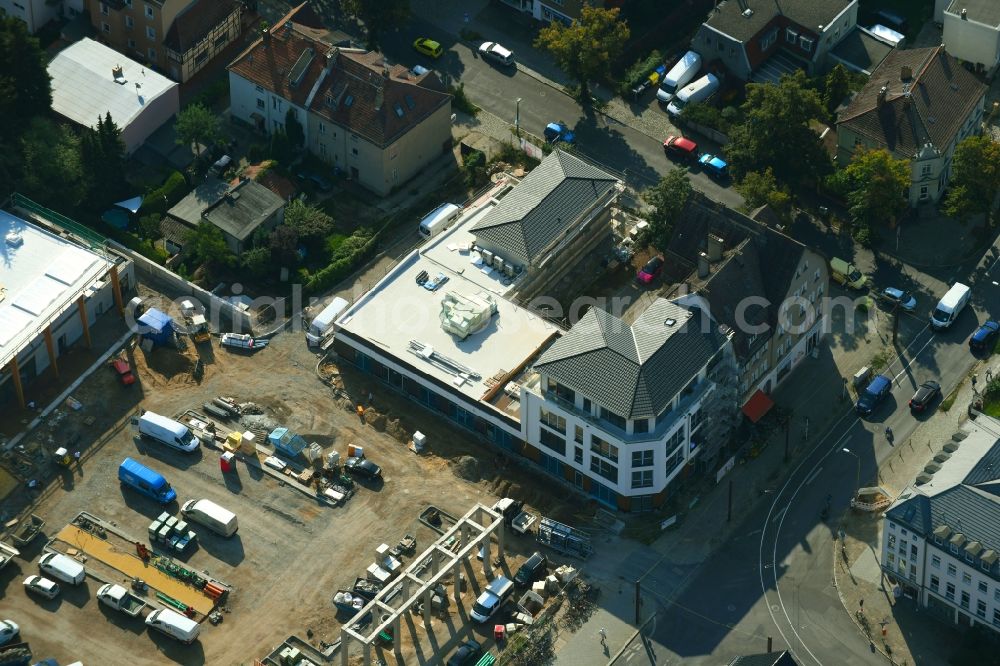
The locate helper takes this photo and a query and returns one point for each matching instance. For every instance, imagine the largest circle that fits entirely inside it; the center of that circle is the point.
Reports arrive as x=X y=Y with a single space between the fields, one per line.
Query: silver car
x=497 y=53
x=41 y=586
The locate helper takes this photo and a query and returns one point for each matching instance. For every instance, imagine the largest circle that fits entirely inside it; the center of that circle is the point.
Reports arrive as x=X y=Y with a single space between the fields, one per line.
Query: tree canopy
x=51 y=169
x=761 y=188
x=378 y=15
x=293 y=128
x=309 y=222
x=975 y=179
x=776 y=133
x=875 y=185
x=102 y=156
x=668 y=198
x=205 y=244
x=25 y=92
x=836 y=87
x=198 y=126
x=587 y=47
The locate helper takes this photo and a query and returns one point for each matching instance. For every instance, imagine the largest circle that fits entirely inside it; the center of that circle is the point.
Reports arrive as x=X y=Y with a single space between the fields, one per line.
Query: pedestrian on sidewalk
x=604 y=637
x=888 y=434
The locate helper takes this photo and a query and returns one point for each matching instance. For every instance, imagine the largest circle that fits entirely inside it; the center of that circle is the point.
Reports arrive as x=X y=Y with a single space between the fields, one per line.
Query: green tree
x=761 y=188
x=284 y=245
x=975 y=178
x=293 y=128
x=587 y=47
x=257 y=261
x=835 y=88
x=378 y=16
x=25 y=86
x=205 y=244
x=668 y=198
x=776 y=133
x=309 y=222
x=197 y=126
x=875 y=185
x=51 y=169
x=149 y=226
x=282 y=150
x=102 y=155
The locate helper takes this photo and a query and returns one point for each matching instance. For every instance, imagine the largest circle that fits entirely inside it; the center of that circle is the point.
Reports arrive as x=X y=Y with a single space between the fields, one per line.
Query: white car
x=904 y=299
x=495 y=52
x=41 y=586
x=8 y=630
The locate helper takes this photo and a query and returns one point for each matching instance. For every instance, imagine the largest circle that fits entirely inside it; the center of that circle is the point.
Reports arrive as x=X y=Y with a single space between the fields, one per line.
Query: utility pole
x=729 y=514
x=788 y=432
x=638 y=601
x=895 y=322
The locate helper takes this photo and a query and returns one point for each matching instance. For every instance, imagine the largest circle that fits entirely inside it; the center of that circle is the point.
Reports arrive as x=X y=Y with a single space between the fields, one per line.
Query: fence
x=707 y=132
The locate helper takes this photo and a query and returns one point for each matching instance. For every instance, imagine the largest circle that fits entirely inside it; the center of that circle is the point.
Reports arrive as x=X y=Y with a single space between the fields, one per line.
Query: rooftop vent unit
x=13 y=238
x=118 y=74
x=747 y=12
x=670 y=322
x=463 y=315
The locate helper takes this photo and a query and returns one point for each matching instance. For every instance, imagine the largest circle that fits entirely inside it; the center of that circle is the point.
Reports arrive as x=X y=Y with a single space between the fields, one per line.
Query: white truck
x=7 y=553
x=120 y=599
x=322 y=324
x=167 y=431
x=695 y=92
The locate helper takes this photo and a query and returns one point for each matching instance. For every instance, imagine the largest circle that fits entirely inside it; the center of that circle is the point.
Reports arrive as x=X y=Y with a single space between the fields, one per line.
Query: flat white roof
x=397 y=312
x=41 y=275
x=83 y=87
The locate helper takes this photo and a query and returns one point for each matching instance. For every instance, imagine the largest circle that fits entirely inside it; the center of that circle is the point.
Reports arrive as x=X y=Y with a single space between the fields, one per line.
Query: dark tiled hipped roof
x=196 y=21
x=730 y=17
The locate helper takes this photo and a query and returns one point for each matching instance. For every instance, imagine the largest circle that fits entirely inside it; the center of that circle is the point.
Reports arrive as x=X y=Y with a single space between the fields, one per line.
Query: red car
x=124 y=371
x=679 y=148
x=650 y=271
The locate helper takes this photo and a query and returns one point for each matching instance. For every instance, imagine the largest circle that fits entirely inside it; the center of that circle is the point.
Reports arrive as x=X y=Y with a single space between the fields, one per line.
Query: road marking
x=779 y=515
x=813 y=475
x=750 y=534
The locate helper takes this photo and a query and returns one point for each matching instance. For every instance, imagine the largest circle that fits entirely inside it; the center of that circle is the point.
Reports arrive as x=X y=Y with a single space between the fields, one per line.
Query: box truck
x=699 y=91
x=168 y=432
x=322 y=323
x=220 y=520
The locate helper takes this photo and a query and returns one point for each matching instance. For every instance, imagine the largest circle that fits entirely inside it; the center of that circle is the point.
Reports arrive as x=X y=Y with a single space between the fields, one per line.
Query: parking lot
x=291 y=553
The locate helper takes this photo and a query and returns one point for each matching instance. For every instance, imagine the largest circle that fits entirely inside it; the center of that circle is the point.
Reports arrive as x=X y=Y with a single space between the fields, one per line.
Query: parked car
x=41 y=586
x=362 y=467
x=123 y=370
x=650 y=271
x=497 y=53
x=428 y=47
x=679 y=148
x=8 y=630
x=925 y=395
x=903 y=299
x=985 y=337
x=321 y=183
x=555 y=132
x=532 y=569
x=879 y=387
x=714 y=165
x=467 y=654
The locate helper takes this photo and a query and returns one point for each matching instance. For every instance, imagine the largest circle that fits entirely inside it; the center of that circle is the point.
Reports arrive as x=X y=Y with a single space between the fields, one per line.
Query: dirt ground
x=291 y=554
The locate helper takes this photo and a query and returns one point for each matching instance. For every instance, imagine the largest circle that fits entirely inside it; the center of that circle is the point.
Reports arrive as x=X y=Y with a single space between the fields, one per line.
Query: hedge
x=164 y=197
x=354 y=251
x=639 y=72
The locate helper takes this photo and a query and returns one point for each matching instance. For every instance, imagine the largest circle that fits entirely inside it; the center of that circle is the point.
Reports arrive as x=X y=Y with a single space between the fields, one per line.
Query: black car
x=925 y=395
x=467 y=654
x=362 y=467
x=532 y=569
x=321 y=183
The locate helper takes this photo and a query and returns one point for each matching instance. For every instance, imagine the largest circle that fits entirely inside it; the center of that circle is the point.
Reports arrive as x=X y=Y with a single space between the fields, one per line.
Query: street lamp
x=857 y=480
x=517 y=117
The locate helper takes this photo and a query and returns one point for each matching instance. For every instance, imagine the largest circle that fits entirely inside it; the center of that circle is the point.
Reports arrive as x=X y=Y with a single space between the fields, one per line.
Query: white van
x=678 y=76
x=168 y=432
x=950 y=306
x=439 y=219
x=174 y=624
x=323 y=322
x=497 y=592
x=220 y=520
x=63 y=568
x=699 y=91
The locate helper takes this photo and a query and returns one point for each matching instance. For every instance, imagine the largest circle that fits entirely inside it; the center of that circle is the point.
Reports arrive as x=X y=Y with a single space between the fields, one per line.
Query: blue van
x=146 y=481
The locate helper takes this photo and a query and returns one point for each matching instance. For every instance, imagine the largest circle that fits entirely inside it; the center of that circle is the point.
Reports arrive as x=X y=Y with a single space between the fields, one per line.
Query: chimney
x=965 y=15
x=881 y=96
x=703 y=267
x=379 y=98
x=117 y=72
x=714 y=248
x=265 y=35
x=905 y=73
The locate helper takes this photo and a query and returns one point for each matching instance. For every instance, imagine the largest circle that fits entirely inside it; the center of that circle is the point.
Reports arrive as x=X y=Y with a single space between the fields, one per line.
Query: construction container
x=354 y=451
x=333 y=459
x=154 y=529
x=164 y=533
x=234 y=441
x=419 y=441
x=249 y=444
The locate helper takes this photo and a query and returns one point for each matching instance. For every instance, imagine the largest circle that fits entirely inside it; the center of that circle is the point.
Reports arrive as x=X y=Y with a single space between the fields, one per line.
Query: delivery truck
x=167 y=432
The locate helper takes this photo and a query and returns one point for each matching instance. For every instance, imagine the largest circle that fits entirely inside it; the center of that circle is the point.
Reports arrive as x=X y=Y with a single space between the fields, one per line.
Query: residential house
x=176 y=37
x=759 y=40
x=34 y=13
x=940 y=538
x=239 y=211
x=971 y=31
x=545 y=224
x=765 y=287
x=918 y=104
x=90 y=80
x=552 y=10
x=378 y=124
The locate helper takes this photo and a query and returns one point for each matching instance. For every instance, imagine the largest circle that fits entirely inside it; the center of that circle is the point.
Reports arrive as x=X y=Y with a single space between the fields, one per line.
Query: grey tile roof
x=862 y=49
x=983 y=11
x=243 y=209
x=941 y=96
x=783 y=658
x=728 y=17
x=634 y=371
x=544 y=206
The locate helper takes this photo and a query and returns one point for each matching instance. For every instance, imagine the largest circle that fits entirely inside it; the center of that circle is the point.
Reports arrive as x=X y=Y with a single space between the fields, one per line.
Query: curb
x=854 y=620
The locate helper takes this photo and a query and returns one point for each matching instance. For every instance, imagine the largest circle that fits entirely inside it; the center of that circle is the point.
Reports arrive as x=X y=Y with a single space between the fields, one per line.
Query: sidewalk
x=912 y=635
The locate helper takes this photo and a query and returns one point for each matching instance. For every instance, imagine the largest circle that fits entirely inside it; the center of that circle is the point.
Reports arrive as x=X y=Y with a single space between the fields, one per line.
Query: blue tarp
x=286 y=441
x=156 y=326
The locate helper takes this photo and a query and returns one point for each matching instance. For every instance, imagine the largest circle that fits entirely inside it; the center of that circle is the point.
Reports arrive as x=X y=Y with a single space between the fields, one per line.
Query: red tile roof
x=354 y=89
x=196 y=21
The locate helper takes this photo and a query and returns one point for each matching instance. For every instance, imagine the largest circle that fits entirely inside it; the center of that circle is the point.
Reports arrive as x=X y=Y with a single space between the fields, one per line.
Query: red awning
x=757 y=406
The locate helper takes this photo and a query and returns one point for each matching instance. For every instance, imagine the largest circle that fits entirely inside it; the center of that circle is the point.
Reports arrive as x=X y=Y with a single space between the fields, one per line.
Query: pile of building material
x=171 y=533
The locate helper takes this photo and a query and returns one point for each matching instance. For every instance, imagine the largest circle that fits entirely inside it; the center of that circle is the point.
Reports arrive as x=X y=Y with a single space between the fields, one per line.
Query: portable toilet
x=157 y=326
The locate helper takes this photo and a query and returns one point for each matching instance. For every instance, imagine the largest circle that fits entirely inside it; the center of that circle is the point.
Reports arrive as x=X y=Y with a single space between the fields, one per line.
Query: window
x=152 y=55
x=260 y=88
x=578 y=434
x=982 y=587
x=642 y=458
x=913 y=550
x=954 y=549
x=602 y=448
x=904 y=532
x=791 y=36
x=966 y=578
x=996 y=595
x=676 y=459
x=642 y=479
x=984 y=565
x=201 y=57
x=924 y=192
x=981 y=608
x=892 y=541
x=964 y=603
x=552 y=441
x=640 y=426
x=891 y=557
x=354 y=151
x=129 y=22
x=131 y=43
x=322 y=128
x=806 y=44
x=260 y=103
x=768 y=40
x=925 y=170
x=221 y=41
x=150 y=32
x=949 y=591
x=952 y=570
x=935 y=583
x=552 y=420
x=105 y=27
x=149 y=12
x=612 y=418
x=936 y=562
x=577 y=455
x=104 y=10
x=604 y=468
x=902 y=546
x=996 y=617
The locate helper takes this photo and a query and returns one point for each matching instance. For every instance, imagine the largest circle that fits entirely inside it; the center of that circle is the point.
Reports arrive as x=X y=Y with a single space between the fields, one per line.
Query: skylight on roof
x=399 y=110
x=409 y=102
x=349 y=100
